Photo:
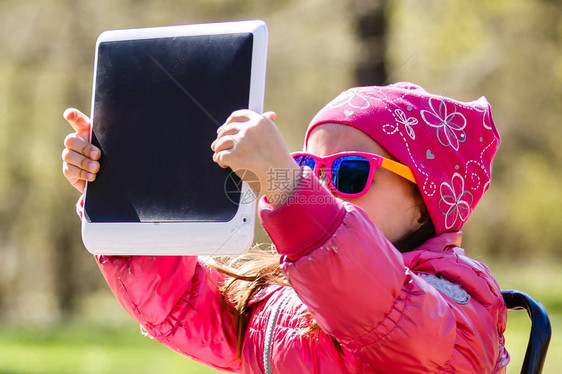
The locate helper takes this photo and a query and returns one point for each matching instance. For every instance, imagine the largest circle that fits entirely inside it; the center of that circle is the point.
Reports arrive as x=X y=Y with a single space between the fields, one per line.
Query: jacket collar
x=442 y=242
x=442 y=256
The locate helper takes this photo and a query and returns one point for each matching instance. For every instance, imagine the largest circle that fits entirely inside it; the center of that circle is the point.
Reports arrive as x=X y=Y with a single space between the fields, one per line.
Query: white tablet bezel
x=184 y=238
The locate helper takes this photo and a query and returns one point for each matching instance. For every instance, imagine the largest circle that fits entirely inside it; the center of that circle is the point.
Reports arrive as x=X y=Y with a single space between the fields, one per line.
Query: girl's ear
x=423 y=229
x=422 y=212
x=423 y=216
x=423 y=232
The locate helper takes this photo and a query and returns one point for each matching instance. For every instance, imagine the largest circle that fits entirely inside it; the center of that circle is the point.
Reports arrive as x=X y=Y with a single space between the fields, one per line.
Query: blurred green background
x=56 y=313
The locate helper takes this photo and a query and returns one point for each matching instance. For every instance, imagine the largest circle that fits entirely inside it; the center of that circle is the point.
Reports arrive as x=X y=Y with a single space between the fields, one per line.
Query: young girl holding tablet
x=368 y=274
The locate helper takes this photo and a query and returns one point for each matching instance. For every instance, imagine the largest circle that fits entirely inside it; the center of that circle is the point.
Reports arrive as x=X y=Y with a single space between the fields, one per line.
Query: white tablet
x=159 y=95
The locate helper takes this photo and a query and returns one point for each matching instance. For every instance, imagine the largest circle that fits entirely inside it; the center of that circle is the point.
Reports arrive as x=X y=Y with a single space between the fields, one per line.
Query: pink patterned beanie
x=448 y=144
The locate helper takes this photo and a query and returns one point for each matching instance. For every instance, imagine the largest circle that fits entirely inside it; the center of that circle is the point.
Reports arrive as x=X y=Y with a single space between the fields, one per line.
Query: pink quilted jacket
x=432 y=310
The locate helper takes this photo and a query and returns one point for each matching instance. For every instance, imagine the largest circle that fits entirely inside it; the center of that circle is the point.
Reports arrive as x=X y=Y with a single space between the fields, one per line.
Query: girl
x=370 y=276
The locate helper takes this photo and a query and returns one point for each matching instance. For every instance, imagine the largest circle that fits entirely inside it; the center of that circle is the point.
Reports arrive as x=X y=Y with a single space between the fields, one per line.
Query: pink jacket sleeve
x=178 y=301
x=356 y=285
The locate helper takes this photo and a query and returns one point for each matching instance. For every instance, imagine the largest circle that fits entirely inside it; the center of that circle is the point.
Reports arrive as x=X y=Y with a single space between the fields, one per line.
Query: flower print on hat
x=448 y=144
x=447 y=120
x=455 y=202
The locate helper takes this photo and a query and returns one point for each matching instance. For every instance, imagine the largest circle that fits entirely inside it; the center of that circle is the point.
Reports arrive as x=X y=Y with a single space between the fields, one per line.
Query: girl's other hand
x=251 y=141
x=80 y=157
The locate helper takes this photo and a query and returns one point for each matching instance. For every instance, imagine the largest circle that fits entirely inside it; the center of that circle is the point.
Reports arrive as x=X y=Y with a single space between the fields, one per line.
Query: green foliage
x=509 y=51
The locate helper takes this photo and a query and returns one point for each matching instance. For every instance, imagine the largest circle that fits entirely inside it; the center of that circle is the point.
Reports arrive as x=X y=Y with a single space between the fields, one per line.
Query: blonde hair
x=247 y=274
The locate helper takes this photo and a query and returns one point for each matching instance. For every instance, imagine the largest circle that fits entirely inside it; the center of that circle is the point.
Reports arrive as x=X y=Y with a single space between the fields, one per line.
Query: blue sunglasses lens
x=350 y=174
x=305 y=161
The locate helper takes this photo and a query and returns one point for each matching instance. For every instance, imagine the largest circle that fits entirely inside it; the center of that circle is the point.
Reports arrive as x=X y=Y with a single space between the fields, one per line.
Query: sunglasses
x=351 y=173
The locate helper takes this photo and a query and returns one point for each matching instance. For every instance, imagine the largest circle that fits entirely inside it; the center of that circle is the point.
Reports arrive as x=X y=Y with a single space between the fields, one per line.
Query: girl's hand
x=80 y=157
x=250 y=141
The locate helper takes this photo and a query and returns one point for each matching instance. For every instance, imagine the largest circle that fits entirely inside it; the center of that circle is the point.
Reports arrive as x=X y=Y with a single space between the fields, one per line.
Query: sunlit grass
x=78 y=349
x=543 y=281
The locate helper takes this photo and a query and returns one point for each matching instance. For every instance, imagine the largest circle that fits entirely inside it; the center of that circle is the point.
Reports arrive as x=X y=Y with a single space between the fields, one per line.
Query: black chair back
x=540 y=329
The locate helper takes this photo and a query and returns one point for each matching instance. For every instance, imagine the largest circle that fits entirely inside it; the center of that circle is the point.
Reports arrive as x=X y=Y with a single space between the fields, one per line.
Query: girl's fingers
x=228 y=129
x=77 y=144
x=222 y=144
x=224 y=132
x=222 y=148
x=80 y=122
x=80 y=156
x=242 y=115
x=238 y=119
x=73 y=173
x=80 y=185
x=78 y=160
x=221 y=158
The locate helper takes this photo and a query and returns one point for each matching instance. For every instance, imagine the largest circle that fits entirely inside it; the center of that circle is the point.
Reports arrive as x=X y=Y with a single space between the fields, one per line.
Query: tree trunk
x=371 y=29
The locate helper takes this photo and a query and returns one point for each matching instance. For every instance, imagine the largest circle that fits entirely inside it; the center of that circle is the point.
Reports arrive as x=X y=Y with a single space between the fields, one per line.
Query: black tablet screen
x=157 y=105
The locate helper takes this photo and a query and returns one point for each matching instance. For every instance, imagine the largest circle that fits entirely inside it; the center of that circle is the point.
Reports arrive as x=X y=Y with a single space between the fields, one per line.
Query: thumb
x=79 y=122
x=270 y=116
